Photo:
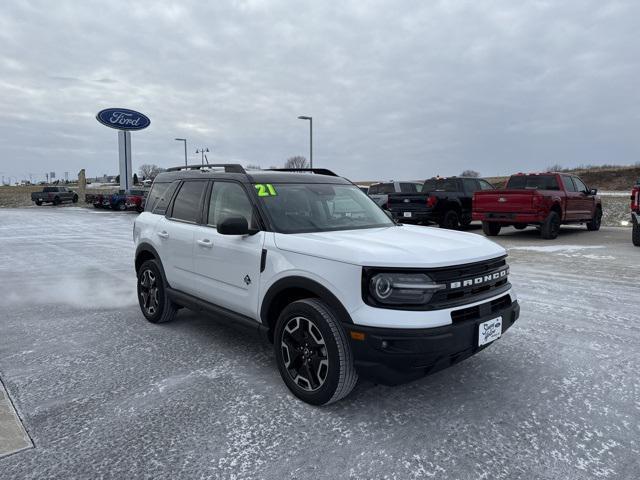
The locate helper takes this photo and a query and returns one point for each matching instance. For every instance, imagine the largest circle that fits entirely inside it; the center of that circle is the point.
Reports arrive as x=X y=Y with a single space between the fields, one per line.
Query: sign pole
x=124 y=151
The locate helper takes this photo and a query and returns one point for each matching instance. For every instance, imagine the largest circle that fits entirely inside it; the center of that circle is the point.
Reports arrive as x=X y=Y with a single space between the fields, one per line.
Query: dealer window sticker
x=265 y=190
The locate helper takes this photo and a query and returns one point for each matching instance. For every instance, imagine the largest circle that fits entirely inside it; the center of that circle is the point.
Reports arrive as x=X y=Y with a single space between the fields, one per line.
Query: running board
x=235 y=319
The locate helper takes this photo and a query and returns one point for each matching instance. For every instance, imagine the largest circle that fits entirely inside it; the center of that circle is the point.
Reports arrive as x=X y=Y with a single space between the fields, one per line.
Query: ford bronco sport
x=315 y=266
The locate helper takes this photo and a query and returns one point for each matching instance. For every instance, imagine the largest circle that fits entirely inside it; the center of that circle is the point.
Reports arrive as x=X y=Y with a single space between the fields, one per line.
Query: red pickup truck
x=545 y=200
x=635 y=214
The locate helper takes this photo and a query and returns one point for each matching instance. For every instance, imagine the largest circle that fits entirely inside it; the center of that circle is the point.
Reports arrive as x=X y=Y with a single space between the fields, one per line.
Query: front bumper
x=391 y=356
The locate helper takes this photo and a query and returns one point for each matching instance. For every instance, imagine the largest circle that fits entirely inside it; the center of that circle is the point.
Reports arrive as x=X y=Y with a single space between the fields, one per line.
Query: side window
x=159 y=197
x=229 y=199
x=470 y=184
x=385 y=188
x=568 y=183
x=484 y=185
x=580 y=186
x=373 y=190
x=187 y=206
x=408 y=187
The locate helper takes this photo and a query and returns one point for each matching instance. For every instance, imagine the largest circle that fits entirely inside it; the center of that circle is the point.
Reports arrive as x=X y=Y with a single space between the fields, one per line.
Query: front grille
x=482 y=310
x=463 y=284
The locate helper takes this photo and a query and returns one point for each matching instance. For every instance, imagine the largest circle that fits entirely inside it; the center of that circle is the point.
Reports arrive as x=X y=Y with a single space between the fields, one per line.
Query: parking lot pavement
x=103 y=393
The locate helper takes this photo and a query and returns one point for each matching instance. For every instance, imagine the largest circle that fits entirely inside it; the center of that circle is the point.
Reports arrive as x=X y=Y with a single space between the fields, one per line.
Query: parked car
x=99 y=200
x=129 y=200
x=445 y=201
x=55 y=195
x=635 y=214
x=316 y=267
x=546 y=200
x=379 y=192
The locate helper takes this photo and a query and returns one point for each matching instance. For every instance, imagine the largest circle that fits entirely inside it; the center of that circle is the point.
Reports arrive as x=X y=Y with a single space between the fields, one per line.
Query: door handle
x=205 y=243
x=163 y=234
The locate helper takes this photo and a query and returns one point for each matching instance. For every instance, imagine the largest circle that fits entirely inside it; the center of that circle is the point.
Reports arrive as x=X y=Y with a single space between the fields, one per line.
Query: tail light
x=431 y=201
x=635 y=198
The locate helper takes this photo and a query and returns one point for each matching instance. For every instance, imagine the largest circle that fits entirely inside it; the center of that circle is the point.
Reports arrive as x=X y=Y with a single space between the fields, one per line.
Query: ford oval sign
x=123 y=119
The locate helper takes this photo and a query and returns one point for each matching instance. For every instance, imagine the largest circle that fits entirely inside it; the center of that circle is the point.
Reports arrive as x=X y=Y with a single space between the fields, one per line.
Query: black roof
x=252 y=176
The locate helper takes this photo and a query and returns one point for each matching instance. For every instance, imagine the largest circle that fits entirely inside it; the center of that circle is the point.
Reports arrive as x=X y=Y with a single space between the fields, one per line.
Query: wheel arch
x=290 y=289
x=146 y=251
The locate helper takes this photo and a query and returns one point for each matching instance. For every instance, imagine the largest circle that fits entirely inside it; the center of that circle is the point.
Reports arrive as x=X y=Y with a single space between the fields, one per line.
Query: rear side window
x=470 y=184
x=568 y=184
x=187 y=206
x=50 y=189
x=533 y=182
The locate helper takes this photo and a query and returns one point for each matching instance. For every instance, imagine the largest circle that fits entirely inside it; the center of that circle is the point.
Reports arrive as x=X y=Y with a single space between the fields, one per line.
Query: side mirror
x=593 y=191
x=233 y=226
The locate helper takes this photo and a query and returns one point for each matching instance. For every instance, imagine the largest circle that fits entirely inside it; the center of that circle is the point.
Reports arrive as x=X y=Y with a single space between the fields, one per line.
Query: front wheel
x=313 y=353
x=491 y=229
x=152 y=296
x=594 y=224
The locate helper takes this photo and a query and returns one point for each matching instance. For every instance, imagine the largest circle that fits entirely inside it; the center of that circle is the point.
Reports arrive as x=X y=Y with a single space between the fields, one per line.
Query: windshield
x=319 y=207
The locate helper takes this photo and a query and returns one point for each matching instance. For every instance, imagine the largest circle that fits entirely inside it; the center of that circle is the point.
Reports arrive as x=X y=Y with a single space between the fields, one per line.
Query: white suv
x=314 y=265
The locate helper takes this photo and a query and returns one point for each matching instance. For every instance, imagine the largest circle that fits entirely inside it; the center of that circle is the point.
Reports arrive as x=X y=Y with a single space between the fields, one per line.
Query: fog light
x=385 y=344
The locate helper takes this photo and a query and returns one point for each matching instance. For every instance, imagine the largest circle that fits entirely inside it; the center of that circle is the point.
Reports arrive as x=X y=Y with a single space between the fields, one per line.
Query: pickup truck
x=379 y=192
x=55 y=195
x=131 y=200
x=445 y=201
x=635 y=214
x=545 y=200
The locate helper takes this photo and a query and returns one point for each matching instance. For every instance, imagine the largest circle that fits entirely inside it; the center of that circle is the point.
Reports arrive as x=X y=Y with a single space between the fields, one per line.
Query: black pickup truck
x=445 y=201
x=55 y=195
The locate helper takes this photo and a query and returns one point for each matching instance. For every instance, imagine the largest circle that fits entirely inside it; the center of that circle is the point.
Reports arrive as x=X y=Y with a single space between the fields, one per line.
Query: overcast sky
x=396 y=89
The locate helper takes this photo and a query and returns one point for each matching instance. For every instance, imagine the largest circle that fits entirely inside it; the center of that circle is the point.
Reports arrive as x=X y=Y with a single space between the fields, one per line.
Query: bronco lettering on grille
x=470 y=282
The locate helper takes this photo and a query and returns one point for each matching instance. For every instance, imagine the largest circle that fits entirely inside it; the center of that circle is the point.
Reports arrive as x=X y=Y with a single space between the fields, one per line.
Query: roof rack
x=317 y=171
x=228 y=167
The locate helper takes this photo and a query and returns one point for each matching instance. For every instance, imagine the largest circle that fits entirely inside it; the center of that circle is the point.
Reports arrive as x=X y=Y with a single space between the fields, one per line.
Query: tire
x=75 y=199
x=152 y=298
x=38 y=202
x=465 y=221
x=491 y=229
x=550 y=228
x=450 y=220
x=520 y=226
x=120 y=206
x=635 y=233
x=311 y=330
x=56 y=201
x=596 y=221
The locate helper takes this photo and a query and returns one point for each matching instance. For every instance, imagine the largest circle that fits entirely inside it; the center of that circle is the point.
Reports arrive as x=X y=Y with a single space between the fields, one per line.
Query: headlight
x=403 y=288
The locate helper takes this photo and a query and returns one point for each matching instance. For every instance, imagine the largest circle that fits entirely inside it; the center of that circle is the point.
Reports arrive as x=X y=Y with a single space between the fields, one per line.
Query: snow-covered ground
x=103 y=393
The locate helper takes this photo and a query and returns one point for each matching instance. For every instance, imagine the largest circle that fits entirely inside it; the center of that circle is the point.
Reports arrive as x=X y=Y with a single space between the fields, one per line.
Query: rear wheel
x=491 y=229
x=594 y=224
x=38 y=202
x=152 y=297
x=313 y=353
x=635 y=234
x=451 y=220
x=551 y=226
x=465 y=220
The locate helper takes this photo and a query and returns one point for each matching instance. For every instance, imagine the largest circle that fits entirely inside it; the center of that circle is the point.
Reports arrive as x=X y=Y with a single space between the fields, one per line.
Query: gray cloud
x=397 y=90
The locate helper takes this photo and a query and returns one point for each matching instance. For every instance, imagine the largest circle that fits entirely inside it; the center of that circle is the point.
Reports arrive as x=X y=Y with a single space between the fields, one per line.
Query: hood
x=397 y=246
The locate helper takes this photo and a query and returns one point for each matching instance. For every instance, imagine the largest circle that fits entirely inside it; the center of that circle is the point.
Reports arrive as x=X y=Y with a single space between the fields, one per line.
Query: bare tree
x=296 y=162
x=555 y=168
x=470 y=173
x=149 y=171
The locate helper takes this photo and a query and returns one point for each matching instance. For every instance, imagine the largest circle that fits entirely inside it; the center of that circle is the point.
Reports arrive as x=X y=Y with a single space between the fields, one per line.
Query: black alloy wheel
x=304 y=353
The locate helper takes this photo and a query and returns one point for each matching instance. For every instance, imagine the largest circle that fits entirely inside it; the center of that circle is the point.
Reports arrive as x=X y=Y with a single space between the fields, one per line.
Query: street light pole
x=304 y=117
x=185 y=148
x=202 y=151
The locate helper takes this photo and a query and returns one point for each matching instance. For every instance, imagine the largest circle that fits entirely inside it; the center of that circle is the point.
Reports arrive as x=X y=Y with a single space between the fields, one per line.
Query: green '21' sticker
x=265 y=190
